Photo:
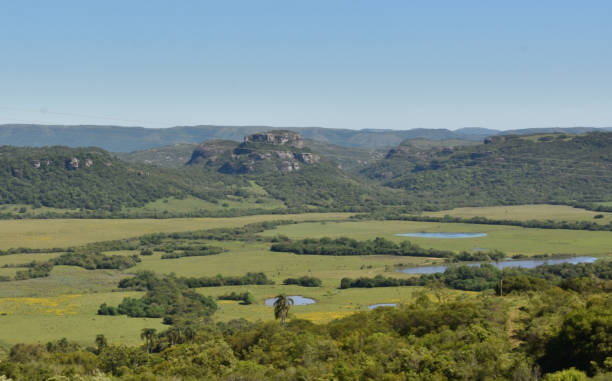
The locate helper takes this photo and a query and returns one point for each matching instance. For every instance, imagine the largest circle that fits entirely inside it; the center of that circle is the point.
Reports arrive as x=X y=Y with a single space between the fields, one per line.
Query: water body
x=525 y=263
x=298 y=300
x=443 y=235
x=373 y=306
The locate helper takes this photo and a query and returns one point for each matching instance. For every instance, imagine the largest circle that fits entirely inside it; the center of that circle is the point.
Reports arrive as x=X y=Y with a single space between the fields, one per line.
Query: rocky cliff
x=281 y=151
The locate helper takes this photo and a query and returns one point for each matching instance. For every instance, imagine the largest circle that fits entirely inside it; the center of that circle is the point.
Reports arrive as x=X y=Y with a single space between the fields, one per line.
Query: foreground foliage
x=462 y=339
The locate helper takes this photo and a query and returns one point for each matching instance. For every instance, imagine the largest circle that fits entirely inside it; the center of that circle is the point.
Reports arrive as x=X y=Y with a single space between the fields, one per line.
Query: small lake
x=373 y=306
x=525 y=263
x=443 y=235
x=298 y=300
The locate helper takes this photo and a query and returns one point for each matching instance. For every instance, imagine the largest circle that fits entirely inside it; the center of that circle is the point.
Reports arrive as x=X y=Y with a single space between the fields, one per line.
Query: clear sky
x=331 y=63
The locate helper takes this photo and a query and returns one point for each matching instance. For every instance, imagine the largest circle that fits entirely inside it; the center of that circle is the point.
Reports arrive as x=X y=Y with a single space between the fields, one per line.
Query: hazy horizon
x=345 y=64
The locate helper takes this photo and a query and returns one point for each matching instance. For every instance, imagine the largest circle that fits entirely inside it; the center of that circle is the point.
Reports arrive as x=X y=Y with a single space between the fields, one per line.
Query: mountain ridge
x=127 y=139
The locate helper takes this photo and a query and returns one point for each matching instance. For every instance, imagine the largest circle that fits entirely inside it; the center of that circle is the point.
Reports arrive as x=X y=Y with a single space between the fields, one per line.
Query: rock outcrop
x=288 y=138
x=281 y=151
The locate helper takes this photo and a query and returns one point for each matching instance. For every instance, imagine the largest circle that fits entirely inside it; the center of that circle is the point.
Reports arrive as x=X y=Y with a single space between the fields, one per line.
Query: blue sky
x=343 y=64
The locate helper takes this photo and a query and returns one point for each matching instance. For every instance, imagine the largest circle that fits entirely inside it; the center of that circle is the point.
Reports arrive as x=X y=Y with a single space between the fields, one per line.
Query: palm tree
x=101 y=342
x=148 y=334
x=281 y=307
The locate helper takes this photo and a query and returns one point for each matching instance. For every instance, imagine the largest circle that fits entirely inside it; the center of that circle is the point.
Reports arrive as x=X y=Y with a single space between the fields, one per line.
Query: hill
x=170 y=156
x=270 y=171
x=509 y=169
x=128 y=139
x=91 y=178
x=289 y=171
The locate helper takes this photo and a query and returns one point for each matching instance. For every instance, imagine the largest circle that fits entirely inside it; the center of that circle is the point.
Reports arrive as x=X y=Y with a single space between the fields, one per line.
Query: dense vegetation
x=146 y=280
x=449 y=340
x=377 y=246
x=90 y=182
x=507 y=170
x=92 y=179
x=244 y=297
x=581 y=277
x=191 y=251
x=165 y=297
x=304 y=281
x=539 y=224
x=86 y=260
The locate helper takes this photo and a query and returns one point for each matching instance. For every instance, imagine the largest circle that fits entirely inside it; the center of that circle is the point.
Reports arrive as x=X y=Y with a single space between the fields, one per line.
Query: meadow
x=71 y=232
x=509 y=239
x=72 y=316
x=527 y=212
x=65 y=303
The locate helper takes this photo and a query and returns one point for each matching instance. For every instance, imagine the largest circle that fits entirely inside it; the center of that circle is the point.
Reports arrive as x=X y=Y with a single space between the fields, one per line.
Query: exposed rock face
x=280 y=152
x=308 y=158
x=88 y=163
x=208 y=152
x=36 y=164
x=289 y=166
x=280 y=138
x=285 y=155
x=72 y=164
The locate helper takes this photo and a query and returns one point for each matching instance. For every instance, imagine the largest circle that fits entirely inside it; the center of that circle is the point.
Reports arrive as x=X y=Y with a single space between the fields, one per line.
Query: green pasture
x=255 y=257
x=526 y=213
x=62 y=280
x=22 y=259
x=71 y=232
x=331 y=303
x=74 y=317
x=65 y=303
x=509 y=239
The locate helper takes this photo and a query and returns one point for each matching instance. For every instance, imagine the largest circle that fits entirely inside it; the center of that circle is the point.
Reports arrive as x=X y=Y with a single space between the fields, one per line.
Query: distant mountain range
x=128 y=139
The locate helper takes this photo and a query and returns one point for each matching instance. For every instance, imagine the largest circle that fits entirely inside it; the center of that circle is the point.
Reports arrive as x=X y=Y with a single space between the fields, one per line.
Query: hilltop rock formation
x=281 y=151
x=288 y=138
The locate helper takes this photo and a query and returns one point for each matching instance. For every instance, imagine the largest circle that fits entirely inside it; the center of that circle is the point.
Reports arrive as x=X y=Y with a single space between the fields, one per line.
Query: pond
x=298 y=300
x=373 y=306
x=442 y=235
x=525 y=263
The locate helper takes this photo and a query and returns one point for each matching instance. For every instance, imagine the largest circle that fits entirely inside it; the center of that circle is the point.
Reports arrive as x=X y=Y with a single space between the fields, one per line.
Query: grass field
x=527 y=212
x=20 y=259
x=192 y=204
x=65 y=303
x=509 y=239
x=71 y=316
x=63 y=280
x=71 y=232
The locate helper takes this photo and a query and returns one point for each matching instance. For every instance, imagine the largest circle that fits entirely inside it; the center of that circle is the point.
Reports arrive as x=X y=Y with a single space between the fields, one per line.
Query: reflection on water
x=525 y=263
x=298 y=300
x=372 y=306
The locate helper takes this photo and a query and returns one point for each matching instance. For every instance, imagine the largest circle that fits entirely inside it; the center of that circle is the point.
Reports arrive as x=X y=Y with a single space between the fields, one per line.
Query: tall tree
x=148 y=334
x=101 y=342
x=281 y=307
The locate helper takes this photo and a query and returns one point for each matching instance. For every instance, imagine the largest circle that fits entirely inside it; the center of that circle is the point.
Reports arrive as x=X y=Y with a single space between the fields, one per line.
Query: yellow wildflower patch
x=323 y=317
x=59 y=305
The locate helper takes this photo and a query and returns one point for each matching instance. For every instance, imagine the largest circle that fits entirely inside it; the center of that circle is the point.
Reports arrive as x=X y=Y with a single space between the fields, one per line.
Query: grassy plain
x=73 y=316
x=527 y=212
x=509 y=239
x=71 y=232
x=65 y=303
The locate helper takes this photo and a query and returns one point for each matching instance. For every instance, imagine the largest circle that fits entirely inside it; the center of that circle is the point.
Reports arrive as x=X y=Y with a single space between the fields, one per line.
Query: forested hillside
x=91 y=178
x=504 y=170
